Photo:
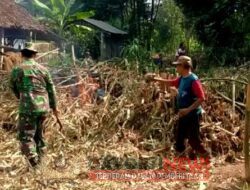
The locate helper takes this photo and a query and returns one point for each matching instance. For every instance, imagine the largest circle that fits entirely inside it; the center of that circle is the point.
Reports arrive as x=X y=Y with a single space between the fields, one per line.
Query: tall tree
x=136 y=16
x=222 y=26
x=106 y=10
x=169 y=27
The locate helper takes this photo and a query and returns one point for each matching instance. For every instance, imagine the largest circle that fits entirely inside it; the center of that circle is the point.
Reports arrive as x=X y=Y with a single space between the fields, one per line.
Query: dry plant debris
x=131 y=122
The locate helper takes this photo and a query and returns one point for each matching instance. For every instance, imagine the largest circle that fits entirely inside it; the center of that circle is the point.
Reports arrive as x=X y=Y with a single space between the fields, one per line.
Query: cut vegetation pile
x=131 y=122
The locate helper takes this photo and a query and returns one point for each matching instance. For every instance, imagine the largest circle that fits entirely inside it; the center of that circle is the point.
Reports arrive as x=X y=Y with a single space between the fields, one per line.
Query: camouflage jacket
x=33 y=86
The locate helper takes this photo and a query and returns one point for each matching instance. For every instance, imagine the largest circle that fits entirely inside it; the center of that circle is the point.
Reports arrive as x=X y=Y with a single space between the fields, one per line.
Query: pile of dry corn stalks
x=130 y=123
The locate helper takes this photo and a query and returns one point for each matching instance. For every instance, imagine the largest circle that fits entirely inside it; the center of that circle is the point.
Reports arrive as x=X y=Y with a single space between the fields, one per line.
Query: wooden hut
x=17 y=25
x=112 y=38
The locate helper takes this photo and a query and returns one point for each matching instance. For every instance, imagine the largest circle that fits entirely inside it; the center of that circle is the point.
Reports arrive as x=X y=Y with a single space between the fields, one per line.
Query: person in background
x=88 y=61
x=32 y=85
x=158 y=60
x=181 y=51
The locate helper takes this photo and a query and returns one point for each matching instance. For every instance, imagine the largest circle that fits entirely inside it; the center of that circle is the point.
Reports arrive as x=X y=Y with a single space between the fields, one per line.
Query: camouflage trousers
x=30 y=135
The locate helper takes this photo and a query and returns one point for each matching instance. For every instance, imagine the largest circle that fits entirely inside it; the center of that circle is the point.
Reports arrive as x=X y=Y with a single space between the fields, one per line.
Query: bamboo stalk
x=247 y=136
x=233 y=96
x=224 y=79
x=222 y=129
x=71 y=85
x=47 y=53
x=228 y=99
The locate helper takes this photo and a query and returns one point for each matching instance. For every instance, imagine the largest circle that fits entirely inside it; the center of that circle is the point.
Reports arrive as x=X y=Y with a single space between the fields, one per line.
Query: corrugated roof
x=104 y=26
x=14 y=16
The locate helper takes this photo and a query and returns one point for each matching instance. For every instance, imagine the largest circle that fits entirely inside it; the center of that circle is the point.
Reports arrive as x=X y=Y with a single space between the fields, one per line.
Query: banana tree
x=60 y=15
x=27 y=4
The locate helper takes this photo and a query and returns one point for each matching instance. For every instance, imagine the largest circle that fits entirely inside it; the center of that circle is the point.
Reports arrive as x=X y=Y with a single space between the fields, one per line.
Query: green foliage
x=216 y=30
x=168 y=31
x=105 y=9
x=63 y=60
x=222 y=26
x=134 y=16
x=137 y=55
x=27 y=4
x=134 y=51
x=85 y=39
x=60 y=15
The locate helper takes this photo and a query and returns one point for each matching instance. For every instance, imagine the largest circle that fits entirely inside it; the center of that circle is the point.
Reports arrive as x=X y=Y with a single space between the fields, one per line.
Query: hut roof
x=104 y=26
x=14 y=16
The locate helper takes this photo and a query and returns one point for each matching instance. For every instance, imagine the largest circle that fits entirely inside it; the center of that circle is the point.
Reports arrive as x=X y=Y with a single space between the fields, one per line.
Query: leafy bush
x=137 y=56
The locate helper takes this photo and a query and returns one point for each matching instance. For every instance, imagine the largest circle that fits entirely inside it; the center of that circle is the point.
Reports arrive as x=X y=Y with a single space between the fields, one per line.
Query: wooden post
x=31 y=36
x=73 y=55
x=247 y=135
x=233 y=97
x=2 y=50
x=103 y=47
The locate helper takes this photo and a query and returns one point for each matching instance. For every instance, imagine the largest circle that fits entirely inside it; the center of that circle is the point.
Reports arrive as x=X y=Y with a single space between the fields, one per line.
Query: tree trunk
x=152 y=10
x=138 y=18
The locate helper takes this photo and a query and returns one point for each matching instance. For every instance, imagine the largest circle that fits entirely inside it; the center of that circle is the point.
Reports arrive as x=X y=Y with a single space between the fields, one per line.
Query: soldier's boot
x=180 y=154
x=34 y=161
x=192 y=155
x=205 y=154
x=41 y=153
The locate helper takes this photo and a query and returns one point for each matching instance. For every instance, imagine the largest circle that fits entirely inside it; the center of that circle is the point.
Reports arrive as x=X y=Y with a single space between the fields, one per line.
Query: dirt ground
x=227 y=176
x=74 y=176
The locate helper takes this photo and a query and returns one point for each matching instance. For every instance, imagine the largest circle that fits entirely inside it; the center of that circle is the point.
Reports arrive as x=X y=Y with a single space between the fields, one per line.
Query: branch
x=49 y=52
x=226 y=131
x=239 y=104
x=224 y=79
x=157 y=10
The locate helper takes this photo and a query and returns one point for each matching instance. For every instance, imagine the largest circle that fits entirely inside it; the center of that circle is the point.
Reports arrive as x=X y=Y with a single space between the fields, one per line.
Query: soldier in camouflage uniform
x=33 y=86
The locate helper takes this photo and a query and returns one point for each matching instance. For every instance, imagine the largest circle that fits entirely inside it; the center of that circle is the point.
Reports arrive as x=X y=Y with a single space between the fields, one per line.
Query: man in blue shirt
x=189 y=99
